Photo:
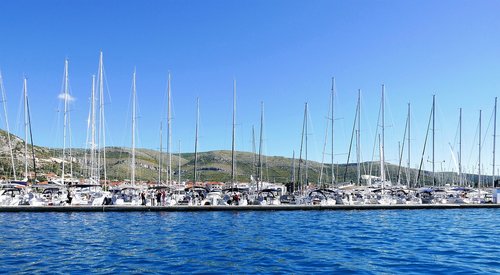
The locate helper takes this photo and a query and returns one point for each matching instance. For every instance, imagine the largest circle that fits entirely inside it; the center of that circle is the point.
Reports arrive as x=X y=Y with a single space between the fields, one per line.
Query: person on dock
x=158 y=198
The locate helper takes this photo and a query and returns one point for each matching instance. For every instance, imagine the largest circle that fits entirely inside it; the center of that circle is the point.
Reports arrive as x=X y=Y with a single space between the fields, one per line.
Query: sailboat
x=324 y=195
x=27 y=131
x=66 y=125
x=237 y=193
x=9 y=139
x=91 y=192
x=131 y=195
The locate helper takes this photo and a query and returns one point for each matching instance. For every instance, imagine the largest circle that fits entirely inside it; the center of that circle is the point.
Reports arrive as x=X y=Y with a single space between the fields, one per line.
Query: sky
x=281 y=53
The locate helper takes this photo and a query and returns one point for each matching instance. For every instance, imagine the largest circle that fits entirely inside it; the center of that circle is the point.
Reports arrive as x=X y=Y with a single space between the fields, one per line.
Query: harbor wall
x=113 y=208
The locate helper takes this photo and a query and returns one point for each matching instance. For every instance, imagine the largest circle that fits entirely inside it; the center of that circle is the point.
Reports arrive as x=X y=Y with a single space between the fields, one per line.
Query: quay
x=186 y=208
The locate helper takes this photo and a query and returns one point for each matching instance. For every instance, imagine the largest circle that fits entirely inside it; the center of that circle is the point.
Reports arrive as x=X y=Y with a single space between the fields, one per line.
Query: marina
x=249 y=137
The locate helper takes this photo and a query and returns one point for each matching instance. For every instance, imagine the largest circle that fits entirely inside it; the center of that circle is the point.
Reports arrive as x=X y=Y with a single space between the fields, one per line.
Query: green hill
x=212 y=165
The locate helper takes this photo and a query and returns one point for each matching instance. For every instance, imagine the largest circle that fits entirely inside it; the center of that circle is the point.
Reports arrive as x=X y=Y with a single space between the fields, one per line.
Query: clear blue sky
x=281 y=52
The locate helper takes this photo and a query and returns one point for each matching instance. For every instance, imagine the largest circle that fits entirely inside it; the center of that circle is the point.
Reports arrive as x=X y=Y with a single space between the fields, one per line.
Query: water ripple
x=366 y=242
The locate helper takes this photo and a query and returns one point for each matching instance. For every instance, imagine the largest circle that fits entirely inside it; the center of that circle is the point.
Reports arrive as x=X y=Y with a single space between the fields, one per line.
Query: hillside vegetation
x=212 y=165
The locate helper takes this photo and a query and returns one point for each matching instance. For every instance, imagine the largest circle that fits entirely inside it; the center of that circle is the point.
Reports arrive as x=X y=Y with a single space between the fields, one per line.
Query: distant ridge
x=213 y=165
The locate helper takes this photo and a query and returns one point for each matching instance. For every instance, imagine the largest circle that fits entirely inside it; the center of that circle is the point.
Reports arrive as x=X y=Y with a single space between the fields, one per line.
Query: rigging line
x=375 y=140
x=425 y=144
x=488 y=127
x=473 y=145
x=402 y=150
x=326 y=140
x=31 y=138
x=350 y=143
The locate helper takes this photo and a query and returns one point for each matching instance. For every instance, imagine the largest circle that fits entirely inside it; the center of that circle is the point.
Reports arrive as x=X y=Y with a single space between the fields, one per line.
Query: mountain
x=212 y=165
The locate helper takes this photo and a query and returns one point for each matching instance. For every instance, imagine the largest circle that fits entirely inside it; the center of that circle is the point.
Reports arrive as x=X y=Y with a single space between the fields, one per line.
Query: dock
x=185 y=208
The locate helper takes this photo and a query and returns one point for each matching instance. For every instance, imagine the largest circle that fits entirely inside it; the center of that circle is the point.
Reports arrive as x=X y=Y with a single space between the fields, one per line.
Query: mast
x=70 y=144
x=132 y=180
x=401 y=150
x=300 y=183
x=332 y=123
x=93 y=170
x=479 y=166
x=31 y=139
x=408 y=176
x=179 y=171
x=460 y=150
x=160 y=155
x=329 y=120
x=261 y=144
x=320 y=178
x=254 y=152
x=102 y=124
x=293 y=170
x=85 y=169
x=65 y=119
x=306 y=164
x=433 y=139
x=4 y=101
x=358 y=140
x=355 y=138
x=25 y=96
x=494 y=143
x=233 y=166
x=382 y=156
x=196 y=139
x=400 y=159
x=169 y=133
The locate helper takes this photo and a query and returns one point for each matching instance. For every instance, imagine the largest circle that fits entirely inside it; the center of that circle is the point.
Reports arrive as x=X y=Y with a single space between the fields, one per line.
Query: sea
x=452 y=241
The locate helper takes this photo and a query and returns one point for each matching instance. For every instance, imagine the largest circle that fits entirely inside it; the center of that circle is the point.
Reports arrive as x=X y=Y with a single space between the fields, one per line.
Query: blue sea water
x=462 y=241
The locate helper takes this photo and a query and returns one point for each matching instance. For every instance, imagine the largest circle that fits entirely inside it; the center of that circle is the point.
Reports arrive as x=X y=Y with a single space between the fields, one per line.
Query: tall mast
x=160 y=155
x=460 y=150
x=31 y=140
x=433 y=139
x=479 y=166
x=132 y=180
x=408 y=177
x=4 y=101
x=358 y=139
x=93 y=170
x=293 y=170
x=196 y=139
x=65 y=119
x=169 y=133
x=179 y=162
x=233 y=137
x=400 y=159
x=25 y=96
x=300 y=183
x=401 y=150
x=254 y=153
x=70 y=138
x=261 y=144
x=102 y=124
x=332 y=123
x=382 y=155
x=306 y=164
x=494 y=143
x=320 y=178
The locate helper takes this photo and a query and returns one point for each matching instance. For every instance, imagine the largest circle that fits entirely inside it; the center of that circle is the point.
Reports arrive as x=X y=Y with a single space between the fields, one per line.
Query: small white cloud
x=63 y=97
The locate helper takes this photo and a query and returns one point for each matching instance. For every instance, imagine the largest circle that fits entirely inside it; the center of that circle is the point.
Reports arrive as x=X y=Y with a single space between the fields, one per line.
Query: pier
x=185 y=208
